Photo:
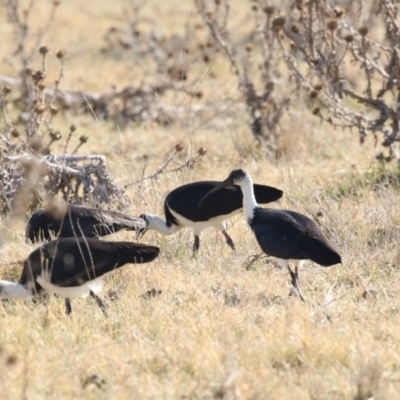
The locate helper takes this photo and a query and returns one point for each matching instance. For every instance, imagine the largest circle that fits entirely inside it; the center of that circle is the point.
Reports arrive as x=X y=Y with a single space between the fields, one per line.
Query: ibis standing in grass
x=286 y=235
x=74 y=267
x=69 y=220
x=181 y=210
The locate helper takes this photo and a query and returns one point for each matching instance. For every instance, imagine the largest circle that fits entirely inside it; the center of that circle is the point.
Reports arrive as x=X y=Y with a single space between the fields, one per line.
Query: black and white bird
x=286 y=235
x=74 y=267
x=69 y=220
x=180 y=208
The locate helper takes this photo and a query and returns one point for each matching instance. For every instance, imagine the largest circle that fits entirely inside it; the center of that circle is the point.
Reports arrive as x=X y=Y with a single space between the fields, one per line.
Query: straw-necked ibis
x=286 y=235
x=180 y=208
x=69 y=220
x=74 y=267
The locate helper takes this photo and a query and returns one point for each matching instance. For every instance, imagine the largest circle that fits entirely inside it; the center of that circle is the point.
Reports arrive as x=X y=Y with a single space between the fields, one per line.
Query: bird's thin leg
x=99 y=302
x=295 y=280
x=229 y=240
x=68 y=308
x=196 y=245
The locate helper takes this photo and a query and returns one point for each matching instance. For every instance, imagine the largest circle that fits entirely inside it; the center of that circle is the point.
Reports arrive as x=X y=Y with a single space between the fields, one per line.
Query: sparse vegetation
x=207 y=327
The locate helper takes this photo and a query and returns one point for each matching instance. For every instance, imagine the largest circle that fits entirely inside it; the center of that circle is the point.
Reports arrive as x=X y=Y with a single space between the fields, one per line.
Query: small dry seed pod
x=43 y=50
x=313 y=94
x=269 y=10
x=249 y=47
x=15 y=132
x=278 y=23
x=338 y=12
x=333 y=24
x=202 y=151
x=348 y=37
x=199 y=94
x=6 y=89
x=318 y=86
x=53 y=110
x=41 y=85
x=60 y=54
x=38 y=75
x=83 y=139
x=316 y=111
x=254 y=8
x=295 y=29
x=73 y=128
x=39 y=109
x=363 y=31
x=55 y=135
x=178 y=147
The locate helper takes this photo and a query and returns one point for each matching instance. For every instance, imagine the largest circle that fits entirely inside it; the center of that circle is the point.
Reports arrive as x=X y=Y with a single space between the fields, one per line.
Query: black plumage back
x=73 y=220
x=227 y=200
x=74 y=261
x=289 y=235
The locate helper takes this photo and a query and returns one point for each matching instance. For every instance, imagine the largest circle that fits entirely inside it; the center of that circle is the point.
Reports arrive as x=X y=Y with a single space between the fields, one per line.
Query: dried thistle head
x=43 y=50
x=179 y=147
x=278 y=23
x=316 y=111
x=202 y=151
x=338 y=12
x=363 y=30
x=6 y=90
x=269 y=10
x=295 y=28
x=15 y=132
x=348 y=37
x=332 y=24
x=83 y=139
x=313 y=94
x=38 y=76
x=39 y=109
x=249 y=47
x=318 y=86
x=73 y=128
x=55 y=135
x=41 y=85
x=53 y=110
x=61 y=54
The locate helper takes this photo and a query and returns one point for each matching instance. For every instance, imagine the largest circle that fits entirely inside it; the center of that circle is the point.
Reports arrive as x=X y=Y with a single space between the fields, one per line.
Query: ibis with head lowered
x=286 y=235
x=74 y=267
x=69 y=220
x=181 y=210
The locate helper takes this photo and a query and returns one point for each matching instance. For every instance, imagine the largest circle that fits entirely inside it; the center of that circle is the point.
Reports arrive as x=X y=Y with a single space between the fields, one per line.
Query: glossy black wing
x=266 y=194
x=74 y=261
x=184 y=200
x=290 y=235
x=75 y=220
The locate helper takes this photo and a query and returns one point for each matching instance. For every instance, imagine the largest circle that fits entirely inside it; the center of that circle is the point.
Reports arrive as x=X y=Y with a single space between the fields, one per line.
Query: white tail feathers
x=11 y=290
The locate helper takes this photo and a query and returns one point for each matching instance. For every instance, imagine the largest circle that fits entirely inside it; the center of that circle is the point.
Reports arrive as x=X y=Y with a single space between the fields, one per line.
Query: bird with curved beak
x=180 y=209
x=286 y=235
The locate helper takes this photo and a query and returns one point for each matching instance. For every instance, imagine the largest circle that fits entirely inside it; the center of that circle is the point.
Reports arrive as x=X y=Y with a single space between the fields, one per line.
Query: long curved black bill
x=225 y=183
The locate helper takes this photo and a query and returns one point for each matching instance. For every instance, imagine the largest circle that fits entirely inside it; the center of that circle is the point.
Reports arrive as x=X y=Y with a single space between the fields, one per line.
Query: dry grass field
x=218 y=330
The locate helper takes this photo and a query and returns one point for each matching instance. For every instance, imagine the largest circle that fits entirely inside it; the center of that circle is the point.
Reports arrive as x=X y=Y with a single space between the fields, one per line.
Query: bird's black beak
x=140 y=232
x=225 y=183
